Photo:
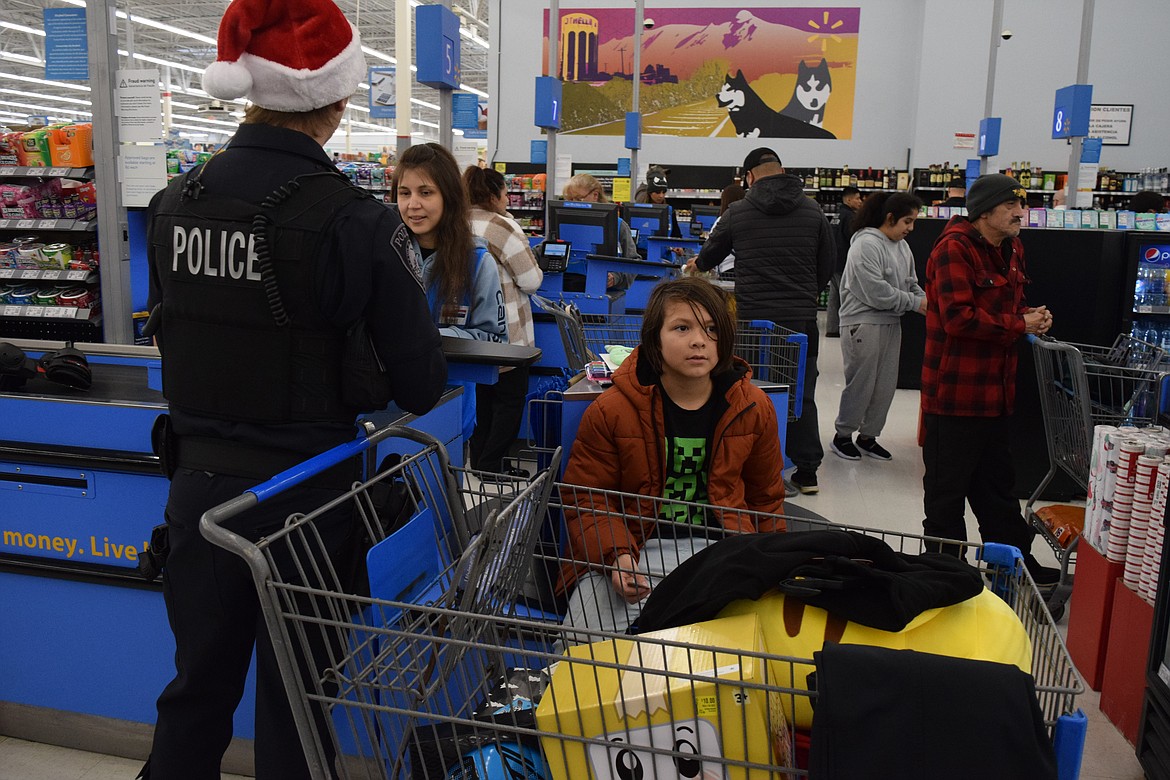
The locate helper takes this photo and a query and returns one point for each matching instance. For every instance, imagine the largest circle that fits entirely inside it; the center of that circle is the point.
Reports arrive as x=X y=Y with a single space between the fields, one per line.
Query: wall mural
x=711 y=72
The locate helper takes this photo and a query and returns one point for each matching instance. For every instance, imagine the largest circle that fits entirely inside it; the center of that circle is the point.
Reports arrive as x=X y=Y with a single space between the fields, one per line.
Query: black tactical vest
x=241 y=334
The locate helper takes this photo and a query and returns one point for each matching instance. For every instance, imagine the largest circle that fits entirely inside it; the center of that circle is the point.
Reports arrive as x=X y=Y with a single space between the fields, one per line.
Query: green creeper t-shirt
x=686 y=455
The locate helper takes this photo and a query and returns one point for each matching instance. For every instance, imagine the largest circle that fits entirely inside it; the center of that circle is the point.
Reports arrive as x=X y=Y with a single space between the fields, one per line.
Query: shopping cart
x=775 y=354
x=458 y=687
x=467 y=546
x=1081 y=386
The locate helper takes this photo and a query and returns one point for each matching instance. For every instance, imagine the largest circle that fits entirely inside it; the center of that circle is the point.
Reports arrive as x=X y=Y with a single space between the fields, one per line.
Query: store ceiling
x=22 y=54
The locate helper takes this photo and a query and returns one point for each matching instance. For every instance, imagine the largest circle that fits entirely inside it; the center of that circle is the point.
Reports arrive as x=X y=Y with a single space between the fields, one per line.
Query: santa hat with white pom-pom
x=286 y=55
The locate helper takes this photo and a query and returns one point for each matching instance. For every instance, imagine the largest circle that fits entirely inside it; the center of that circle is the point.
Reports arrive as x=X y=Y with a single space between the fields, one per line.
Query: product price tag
x=34 y=311
x=1145 y=309
x=7 y=273
x=47 y=224
x=12 y=311
x=21 y=224
x=61 y=312
x=5 y=223
x=7 y=171
x=52 y=276
x=29 y=275
x=76 y=276
x=57 y=172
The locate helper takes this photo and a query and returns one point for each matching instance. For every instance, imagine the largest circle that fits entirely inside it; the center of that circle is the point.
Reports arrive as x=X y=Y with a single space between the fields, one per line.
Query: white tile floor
x=866 y=492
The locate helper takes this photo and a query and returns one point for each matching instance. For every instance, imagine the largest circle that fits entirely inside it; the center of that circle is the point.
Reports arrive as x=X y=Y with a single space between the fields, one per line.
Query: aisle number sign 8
x=1070 y=114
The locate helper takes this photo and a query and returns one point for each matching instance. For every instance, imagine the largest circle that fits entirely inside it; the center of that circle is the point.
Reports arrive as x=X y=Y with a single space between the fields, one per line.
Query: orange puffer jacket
x=619 y=447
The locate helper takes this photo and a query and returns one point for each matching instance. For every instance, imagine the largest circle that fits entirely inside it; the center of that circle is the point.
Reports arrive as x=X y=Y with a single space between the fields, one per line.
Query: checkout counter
x=86 y=646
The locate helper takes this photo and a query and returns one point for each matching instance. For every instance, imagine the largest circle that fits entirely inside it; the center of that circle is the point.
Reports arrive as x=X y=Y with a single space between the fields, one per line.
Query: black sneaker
x=1041 y=575
x=843 y=446
x=873 y=449
x=805 y=481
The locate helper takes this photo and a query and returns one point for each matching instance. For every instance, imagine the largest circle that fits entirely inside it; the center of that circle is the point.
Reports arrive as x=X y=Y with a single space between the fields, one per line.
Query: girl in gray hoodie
x=879 y=285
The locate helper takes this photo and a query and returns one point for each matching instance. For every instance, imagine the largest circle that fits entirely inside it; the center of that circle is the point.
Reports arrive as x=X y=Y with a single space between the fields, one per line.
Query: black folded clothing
x=918 y=716
x=851 y=575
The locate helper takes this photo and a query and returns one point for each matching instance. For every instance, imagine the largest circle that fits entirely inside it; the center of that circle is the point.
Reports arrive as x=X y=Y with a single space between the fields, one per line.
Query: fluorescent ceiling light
x=43 y=109
x=157 y=61
x=31 y=80
x=469 y=35
x=21 y=58
x=23 y=29
x=40 y=96
x=232 y=125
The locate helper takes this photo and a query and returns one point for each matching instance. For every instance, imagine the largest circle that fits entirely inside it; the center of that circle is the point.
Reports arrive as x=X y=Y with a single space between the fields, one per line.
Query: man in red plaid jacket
x=975 y=316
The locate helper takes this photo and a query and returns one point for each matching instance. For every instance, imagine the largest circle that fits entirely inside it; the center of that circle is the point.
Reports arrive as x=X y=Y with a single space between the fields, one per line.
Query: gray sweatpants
x=871 y=354
x=595 y=604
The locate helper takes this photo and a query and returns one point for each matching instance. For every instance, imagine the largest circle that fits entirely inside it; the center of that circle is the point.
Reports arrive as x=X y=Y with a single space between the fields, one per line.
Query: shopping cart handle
x=997 y=554
x=767 y=325
x=309 y=468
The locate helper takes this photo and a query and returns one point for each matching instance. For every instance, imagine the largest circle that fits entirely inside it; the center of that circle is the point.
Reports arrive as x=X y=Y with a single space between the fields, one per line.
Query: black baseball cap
x=759 y=157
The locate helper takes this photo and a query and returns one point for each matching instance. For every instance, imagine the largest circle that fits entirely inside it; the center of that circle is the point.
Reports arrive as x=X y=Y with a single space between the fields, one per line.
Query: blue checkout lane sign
x=383 y=103
x=66 y=45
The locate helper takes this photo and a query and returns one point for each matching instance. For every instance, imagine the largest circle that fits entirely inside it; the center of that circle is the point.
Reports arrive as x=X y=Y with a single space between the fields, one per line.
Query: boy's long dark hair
x=878 y=205
x=693 y=292
x=451 y=272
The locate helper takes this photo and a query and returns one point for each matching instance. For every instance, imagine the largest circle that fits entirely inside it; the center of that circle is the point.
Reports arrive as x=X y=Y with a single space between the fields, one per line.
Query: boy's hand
x=629 y=584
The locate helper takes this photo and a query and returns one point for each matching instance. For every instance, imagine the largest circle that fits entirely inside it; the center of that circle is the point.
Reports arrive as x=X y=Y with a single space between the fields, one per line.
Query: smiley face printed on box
x=629 y=756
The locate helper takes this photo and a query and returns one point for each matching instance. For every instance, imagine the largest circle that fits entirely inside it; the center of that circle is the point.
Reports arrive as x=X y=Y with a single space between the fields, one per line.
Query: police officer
x=262 y=261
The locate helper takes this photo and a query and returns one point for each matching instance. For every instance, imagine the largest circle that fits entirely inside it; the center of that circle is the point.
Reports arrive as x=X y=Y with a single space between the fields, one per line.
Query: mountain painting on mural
x=710 y=72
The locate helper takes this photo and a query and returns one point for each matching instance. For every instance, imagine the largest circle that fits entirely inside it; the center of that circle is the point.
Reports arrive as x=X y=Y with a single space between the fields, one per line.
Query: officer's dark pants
x=215 y=616
x=969 y=458
x=499 y=409
x=803 y=446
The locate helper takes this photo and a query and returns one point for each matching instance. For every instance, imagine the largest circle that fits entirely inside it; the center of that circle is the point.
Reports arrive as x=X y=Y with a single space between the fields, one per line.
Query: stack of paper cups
x=1145 y=471
x=1156 y=535
x=1123 y=499
x=1095 y=502
x=1112 y=448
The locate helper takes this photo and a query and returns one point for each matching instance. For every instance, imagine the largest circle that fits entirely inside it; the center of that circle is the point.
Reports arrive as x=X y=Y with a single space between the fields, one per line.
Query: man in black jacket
x=784 y=257
x=850 y=203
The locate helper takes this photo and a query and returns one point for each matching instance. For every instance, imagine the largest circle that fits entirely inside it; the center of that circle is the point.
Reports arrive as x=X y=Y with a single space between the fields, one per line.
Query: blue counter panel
x=90 y=648
x=78 y=423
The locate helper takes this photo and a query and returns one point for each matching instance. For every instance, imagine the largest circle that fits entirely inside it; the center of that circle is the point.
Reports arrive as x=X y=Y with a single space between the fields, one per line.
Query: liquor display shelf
x=863 y=189
x=49 y=275
x=18 y=311
x=13 y=171
x=62 y=225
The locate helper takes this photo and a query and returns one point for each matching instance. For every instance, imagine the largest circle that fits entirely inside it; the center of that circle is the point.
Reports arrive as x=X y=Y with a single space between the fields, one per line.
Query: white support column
x=554 y=43
x=1074 y=152
x=102 y=36
x=403 y=46
x=639 y=17
x=989 y=95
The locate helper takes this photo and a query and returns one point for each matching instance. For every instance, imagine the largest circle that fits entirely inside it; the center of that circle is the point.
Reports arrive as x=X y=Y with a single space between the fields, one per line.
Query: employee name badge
x=455 y=316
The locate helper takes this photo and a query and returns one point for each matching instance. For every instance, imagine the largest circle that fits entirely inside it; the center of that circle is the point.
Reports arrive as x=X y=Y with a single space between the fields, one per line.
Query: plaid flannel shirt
x=974 y=318
x=519 y=273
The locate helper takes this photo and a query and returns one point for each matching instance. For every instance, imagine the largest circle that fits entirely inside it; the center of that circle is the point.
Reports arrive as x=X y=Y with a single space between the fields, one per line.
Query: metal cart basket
x=1081 y=386
x=452 y=681
x=775 y=354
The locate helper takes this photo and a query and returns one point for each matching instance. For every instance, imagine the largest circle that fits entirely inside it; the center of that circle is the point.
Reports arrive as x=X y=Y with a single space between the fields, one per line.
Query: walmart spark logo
x=824 y=37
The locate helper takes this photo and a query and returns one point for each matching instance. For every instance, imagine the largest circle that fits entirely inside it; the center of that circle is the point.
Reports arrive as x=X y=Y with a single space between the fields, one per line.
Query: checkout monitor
x=705 y=216
x=649 y=219
x=591 y=228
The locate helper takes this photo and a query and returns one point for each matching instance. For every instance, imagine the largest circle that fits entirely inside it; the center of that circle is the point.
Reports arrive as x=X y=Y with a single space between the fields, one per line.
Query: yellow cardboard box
x=635 y=694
